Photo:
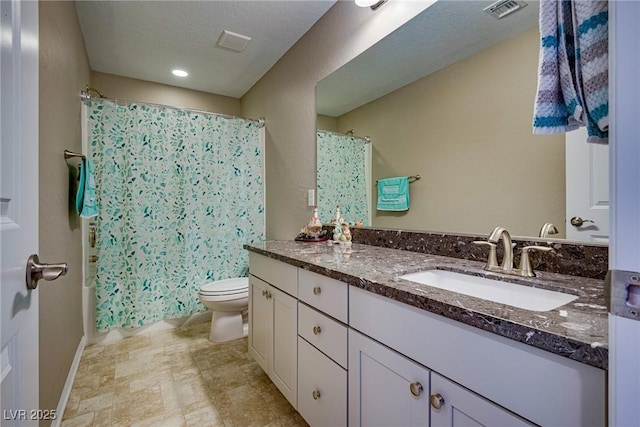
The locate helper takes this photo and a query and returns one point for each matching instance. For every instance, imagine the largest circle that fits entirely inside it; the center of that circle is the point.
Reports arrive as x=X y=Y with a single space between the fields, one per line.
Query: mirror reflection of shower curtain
x=343 y=177
x=178 y=193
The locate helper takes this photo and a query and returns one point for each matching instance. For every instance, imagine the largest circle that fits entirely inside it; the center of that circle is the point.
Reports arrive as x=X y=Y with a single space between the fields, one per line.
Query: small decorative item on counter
x=337 y=233
x=342 y=233
x=337 y=218
x=313 y=232
x=346 y=234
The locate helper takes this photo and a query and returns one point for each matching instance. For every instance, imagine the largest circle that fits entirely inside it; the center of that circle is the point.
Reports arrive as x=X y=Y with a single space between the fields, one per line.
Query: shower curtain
x=178 y=194
x=343 y=177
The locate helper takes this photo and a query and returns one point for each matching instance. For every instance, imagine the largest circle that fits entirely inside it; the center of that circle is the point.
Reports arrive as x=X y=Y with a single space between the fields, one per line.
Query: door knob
x=576 y=221
x=36 y=271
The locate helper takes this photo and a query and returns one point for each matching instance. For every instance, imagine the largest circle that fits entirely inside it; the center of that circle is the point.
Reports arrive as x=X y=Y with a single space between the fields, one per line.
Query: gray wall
x=64 y=71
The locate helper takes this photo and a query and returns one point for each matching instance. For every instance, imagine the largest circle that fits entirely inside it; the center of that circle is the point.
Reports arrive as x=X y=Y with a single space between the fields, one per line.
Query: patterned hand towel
x=573 y=68
x=393 y=194
x=86 y=196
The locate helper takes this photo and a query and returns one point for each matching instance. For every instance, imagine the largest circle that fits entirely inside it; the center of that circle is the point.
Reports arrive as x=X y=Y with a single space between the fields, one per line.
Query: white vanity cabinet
x=480 y=368
x=342 y=355
x=273 y=322
x=322 y=349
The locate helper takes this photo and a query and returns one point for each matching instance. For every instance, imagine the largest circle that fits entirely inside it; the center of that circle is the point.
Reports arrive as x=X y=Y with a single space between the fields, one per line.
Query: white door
x=19 y=212
x=587 y=188
x=624 y=96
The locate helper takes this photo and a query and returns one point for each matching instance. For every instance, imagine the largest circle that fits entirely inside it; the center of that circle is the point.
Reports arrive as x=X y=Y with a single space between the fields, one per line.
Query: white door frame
x=624 y=246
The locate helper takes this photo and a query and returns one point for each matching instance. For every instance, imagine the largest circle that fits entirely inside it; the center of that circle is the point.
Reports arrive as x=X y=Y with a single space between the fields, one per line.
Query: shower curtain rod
x=85 y=96
x=366 y=138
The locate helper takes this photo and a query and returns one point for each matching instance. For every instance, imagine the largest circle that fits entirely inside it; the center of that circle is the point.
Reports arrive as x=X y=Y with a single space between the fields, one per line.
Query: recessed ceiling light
x=179 y=73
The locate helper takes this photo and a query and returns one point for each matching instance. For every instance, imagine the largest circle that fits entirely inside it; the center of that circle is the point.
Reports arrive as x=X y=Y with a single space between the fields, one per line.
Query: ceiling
x=441 y=35
x=147 y=39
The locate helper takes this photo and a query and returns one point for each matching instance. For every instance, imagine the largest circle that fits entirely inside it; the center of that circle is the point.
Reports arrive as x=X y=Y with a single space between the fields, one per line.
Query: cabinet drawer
x=279 y=274
x=322 y=388
x=325 y=294
x=323 y=332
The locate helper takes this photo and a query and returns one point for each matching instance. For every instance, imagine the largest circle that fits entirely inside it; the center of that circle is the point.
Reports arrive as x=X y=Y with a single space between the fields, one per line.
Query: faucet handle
x=492 y=260
x=525 y=262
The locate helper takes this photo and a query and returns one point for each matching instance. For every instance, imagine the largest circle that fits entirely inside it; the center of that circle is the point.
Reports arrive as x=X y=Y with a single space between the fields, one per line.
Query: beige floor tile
x=102 y=417
x=96 y=403
x=207 y=416
x=172 y=420
x=175 y=378
x=85 y=420
x=138 y=406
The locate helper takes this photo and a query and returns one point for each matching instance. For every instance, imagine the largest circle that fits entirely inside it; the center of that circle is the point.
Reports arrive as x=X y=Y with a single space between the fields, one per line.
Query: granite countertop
x=577 y=330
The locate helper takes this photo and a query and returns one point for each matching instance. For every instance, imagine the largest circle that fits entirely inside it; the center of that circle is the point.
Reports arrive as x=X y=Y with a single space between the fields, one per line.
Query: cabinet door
x=260 y=321
x=461 y=407
x=385 y=388
x=322 y=388
x=284 y=372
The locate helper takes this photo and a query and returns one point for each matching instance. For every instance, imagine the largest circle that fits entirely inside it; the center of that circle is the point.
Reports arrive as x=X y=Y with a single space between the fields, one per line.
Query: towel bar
x=69 y=154
x=412 y=178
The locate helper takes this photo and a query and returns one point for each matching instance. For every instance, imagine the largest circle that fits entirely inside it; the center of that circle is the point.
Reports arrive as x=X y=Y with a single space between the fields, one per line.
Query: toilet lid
x=233 y=286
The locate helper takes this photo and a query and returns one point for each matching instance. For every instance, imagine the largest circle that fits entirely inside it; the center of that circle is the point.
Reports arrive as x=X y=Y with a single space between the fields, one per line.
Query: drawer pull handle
x=316 y=394
x=437 y=401
x=264 y=292
x=269 y=295
x=316 y=330
x=416 y=388
x=317 y=290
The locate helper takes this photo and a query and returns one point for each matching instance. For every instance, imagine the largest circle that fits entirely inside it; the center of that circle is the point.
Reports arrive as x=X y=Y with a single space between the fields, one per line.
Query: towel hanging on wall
x=393 y=194
x=86 y=195
x=573 y=69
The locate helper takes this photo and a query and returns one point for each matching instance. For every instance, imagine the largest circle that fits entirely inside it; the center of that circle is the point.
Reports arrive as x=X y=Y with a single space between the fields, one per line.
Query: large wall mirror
x=449 y=96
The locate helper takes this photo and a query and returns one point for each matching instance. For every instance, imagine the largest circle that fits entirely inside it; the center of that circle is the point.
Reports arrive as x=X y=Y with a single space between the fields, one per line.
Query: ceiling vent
x=233 y=41
x=502 y=8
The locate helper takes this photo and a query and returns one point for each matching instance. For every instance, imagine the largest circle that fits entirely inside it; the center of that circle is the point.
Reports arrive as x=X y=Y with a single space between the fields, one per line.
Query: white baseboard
x=68 y=385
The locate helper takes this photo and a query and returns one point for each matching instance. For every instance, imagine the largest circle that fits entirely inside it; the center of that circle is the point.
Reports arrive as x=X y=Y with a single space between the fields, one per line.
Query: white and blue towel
x=573 y=68
x=86 y=195
x=393 y=194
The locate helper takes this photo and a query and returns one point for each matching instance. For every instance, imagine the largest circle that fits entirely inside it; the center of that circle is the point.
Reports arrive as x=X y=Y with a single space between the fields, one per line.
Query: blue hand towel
x=86 y=196
x=393 y=194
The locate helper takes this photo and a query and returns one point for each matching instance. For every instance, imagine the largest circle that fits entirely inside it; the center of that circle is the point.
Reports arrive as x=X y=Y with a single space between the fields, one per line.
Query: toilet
x=227 y=299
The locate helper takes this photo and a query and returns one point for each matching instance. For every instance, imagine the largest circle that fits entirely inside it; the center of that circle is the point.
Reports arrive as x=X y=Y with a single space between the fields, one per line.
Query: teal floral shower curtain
x=342 y=170
x=178 y=194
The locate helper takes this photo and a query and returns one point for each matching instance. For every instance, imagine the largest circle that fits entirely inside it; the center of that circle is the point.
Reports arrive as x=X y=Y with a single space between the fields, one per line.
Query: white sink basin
x=520 y=296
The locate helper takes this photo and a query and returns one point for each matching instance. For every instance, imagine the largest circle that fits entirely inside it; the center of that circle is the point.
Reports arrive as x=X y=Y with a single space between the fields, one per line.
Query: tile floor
x=174 y=378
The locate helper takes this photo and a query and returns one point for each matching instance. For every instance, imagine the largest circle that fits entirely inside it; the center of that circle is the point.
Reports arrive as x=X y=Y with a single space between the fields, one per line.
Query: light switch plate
x=311 y=198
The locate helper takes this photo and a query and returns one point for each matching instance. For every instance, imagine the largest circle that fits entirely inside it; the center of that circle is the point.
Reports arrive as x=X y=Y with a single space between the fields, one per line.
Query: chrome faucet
x=507 y=256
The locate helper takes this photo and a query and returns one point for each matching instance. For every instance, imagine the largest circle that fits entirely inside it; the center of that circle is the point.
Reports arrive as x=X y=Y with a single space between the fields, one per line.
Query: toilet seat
x=228 y=287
